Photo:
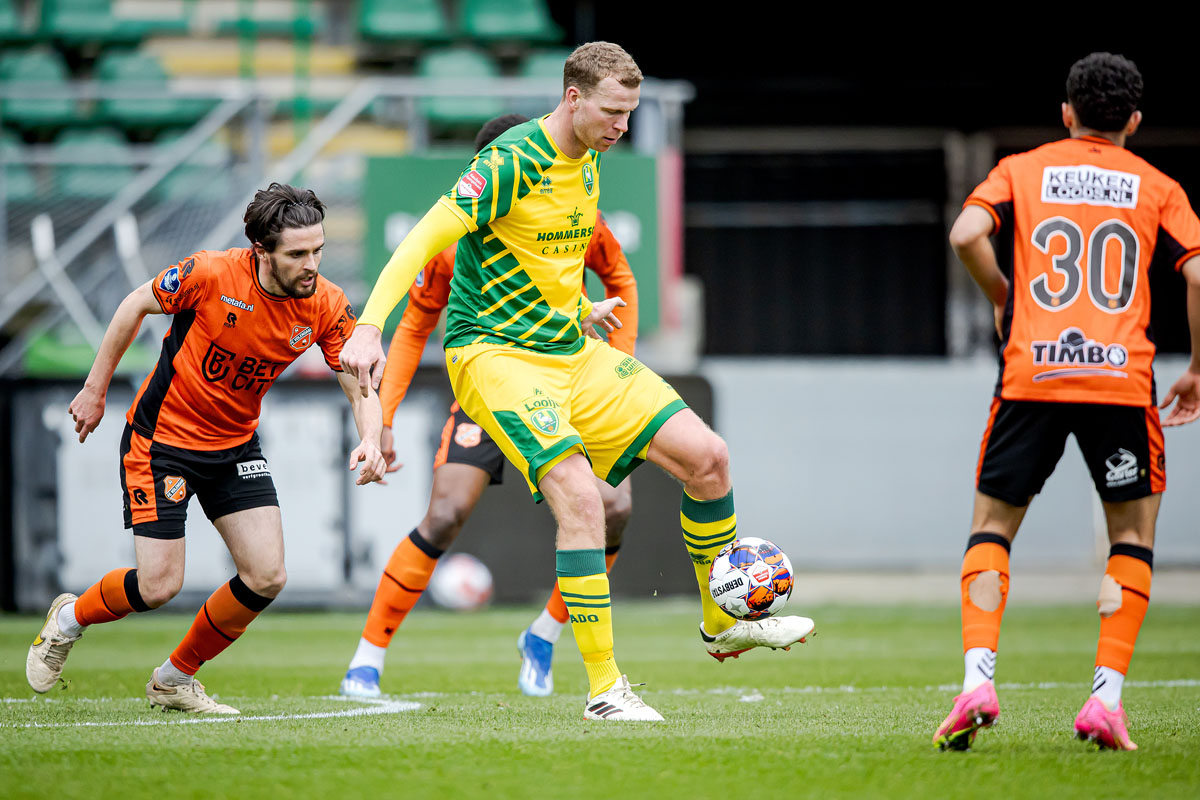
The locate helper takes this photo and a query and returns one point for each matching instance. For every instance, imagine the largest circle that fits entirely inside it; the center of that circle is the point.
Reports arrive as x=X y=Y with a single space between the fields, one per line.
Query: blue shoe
x=361 y=682
x=535 y=679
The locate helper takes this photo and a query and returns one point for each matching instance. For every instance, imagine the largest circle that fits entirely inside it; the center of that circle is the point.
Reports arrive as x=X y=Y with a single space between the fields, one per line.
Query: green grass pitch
x=848 y=715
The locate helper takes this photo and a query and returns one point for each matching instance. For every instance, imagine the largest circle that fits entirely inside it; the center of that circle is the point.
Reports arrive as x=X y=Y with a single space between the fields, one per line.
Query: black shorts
x=1122 y=446
x=464 y=442
x=158 y=480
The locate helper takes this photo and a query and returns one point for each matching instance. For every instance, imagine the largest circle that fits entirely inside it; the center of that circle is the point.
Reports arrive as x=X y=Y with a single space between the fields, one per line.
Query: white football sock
x=980 y=665
x=546 y=627
x=1107 y=684
x=171 y=675
x=67 y=623
x=368 y=655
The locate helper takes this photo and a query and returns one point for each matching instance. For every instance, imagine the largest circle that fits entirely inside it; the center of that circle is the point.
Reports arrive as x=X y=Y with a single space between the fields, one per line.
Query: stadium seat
x=456 y=63
x=11 y=27
x=94 y=164
x=143 y=71
x=508 y=20
x=20 y=184
x=77 y=22
x=546 y=64
x=403 y=20
x=203 y=176
x=266 y=22
x=38 y=69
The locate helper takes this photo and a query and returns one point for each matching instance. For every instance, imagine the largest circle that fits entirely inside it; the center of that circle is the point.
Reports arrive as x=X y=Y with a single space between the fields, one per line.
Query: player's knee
x=158 y=590
x=267 y=582
x=442 y=524
x=710 y=464
x=618 y=508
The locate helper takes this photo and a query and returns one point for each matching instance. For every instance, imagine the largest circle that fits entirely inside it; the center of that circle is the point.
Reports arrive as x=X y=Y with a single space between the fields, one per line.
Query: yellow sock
x=708 y=525
x=584 y=586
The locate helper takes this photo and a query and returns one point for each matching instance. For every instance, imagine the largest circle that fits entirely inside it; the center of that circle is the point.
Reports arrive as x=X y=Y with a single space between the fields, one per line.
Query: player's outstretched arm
x=368 y=418
x=87 y=409
x=969 y=238
x=1187 y=389
x=362 y=355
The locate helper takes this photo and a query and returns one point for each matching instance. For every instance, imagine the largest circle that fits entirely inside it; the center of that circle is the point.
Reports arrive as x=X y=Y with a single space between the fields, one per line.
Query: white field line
x=745 y=692
x=369 y=708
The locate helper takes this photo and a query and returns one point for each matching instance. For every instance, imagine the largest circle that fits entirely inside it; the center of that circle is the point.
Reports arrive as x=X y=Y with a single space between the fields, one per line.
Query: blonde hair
x=595 y=61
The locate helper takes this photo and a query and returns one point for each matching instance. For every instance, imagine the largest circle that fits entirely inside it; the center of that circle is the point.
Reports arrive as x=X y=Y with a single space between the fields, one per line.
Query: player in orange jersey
x=240 y=317
x=468 y=461
x=1078 y=222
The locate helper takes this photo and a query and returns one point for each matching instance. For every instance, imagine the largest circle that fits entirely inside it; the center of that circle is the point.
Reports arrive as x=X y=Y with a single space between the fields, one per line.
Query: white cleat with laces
x=776 y=633
x=189 y=697
x=620 y=704
x=48 y=653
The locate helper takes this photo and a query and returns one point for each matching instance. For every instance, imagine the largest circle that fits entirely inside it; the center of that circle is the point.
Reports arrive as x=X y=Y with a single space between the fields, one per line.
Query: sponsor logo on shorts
x=169 y=282
x=237 y=303
x=1122 y=469
x=253 y=469
x=1084 y=184
x=1076 y=354
x=174 y=488
x=471 y=185
x=468 y=434
x=589 y=179
x=545 y=420
x=301 y=337
x=629 y=367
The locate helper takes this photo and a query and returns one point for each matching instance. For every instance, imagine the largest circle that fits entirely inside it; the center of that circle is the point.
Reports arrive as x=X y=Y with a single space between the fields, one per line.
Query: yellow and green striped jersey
x=518 y=274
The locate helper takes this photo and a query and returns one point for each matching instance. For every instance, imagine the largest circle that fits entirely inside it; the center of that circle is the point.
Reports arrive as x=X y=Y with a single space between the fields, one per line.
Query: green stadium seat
x=143 y=71
x=544 y=64
x=204 y=176
x=11 y=27
x=20 y=184
x=508 y=20
x=95 y=163
x=403 y=20
x=458 y=63
x=77 y=22
x=37 y=69
x=279 y=26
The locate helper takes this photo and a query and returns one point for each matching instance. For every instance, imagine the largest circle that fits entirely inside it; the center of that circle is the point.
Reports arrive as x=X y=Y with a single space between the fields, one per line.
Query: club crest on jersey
x=170 y=281
x=1076 y=354
x=174 y=488
x=545 y=420
x=468 y=434
x=301 y=337
x=1084 y=184
x=589 y=179
x=471 y=185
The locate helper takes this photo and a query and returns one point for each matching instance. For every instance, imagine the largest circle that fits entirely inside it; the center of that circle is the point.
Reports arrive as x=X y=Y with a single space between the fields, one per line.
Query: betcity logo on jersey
x=1078 y=355
x=1085 y=184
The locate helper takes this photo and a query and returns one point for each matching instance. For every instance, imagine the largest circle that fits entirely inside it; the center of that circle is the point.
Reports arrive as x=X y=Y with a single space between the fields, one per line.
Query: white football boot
x=189 y=697
x=48 y=653
x=619 y=704
x=775 y=633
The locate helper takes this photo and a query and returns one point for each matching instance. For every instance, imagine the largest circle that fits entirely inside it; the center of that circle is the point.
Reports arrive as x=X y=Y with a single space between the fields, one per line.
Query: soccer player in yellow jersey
x=527 y=366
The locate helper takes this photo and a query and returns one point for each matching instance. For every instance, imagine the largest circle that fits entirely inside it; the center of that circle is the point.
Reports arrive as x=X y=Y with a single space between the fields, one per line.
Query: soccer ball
x=750 y=578
x=461 y=582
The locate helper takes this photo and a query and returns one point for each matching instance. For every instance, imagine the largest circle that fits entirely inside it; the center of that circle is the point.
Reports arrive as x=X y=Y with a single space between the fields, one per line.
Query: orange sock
x=555 y=606
x=111 y=598
x=1124 y=598
x=984 y=590
x=404 y=579
x=224 y=617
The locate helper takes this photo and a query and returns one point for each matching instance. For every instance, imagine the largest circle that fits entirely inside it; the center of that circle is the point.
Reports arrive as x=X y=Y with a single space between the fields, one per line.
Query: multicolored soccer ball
x=750 y=578
x=461 y=582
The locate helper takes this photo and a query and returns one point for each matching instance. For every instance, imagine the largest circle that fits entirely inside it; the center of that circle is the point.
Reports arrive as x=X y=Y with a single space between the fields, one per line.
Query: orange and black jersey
x=1082 y=220
x=229 y=340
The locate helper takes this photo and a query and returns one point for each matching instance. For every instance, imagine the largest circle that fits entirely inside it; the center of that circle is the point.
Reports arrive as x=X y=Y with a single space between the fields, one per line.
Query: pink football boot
x=1105 y=728
x=973 y=710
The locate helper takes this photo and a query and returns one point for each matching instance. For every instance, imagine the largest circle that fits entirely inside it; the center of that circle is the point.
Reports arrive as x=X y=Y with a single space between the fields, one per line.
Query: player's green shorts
x=540 y=408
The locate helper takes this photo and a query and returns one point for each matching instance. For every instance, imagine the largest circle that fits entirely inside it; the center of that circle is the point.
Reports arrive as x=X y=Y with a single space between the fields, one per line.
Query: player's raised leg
x=156 y=579
x=1124 y=598
x=536 y=643
x=688 y=449
x=456 y=491
x=984 y=594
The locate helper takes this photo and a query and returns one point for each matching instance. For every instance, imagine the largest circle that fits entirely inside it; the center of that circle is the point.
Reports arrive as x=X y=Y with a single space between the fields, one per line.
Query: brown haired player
x=240 y=317
x=469 y=460
x=1080 y=220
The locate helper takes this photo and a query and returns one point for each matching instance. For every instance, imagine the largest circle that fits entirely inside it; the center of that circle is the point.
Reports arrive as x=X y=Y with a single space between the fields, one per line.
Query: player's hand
x=362 y=356
x=1187 y=391
x=374 y=465
x=87 y=409
x=388 y=448
x=602 y=314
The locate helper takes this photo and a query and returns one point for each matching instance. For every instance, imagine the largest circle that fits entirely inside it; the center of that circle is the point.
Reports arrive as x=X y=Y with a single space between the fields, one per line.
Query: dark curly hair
x=495 y=126
x=277 y=207
x=1104 y=89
